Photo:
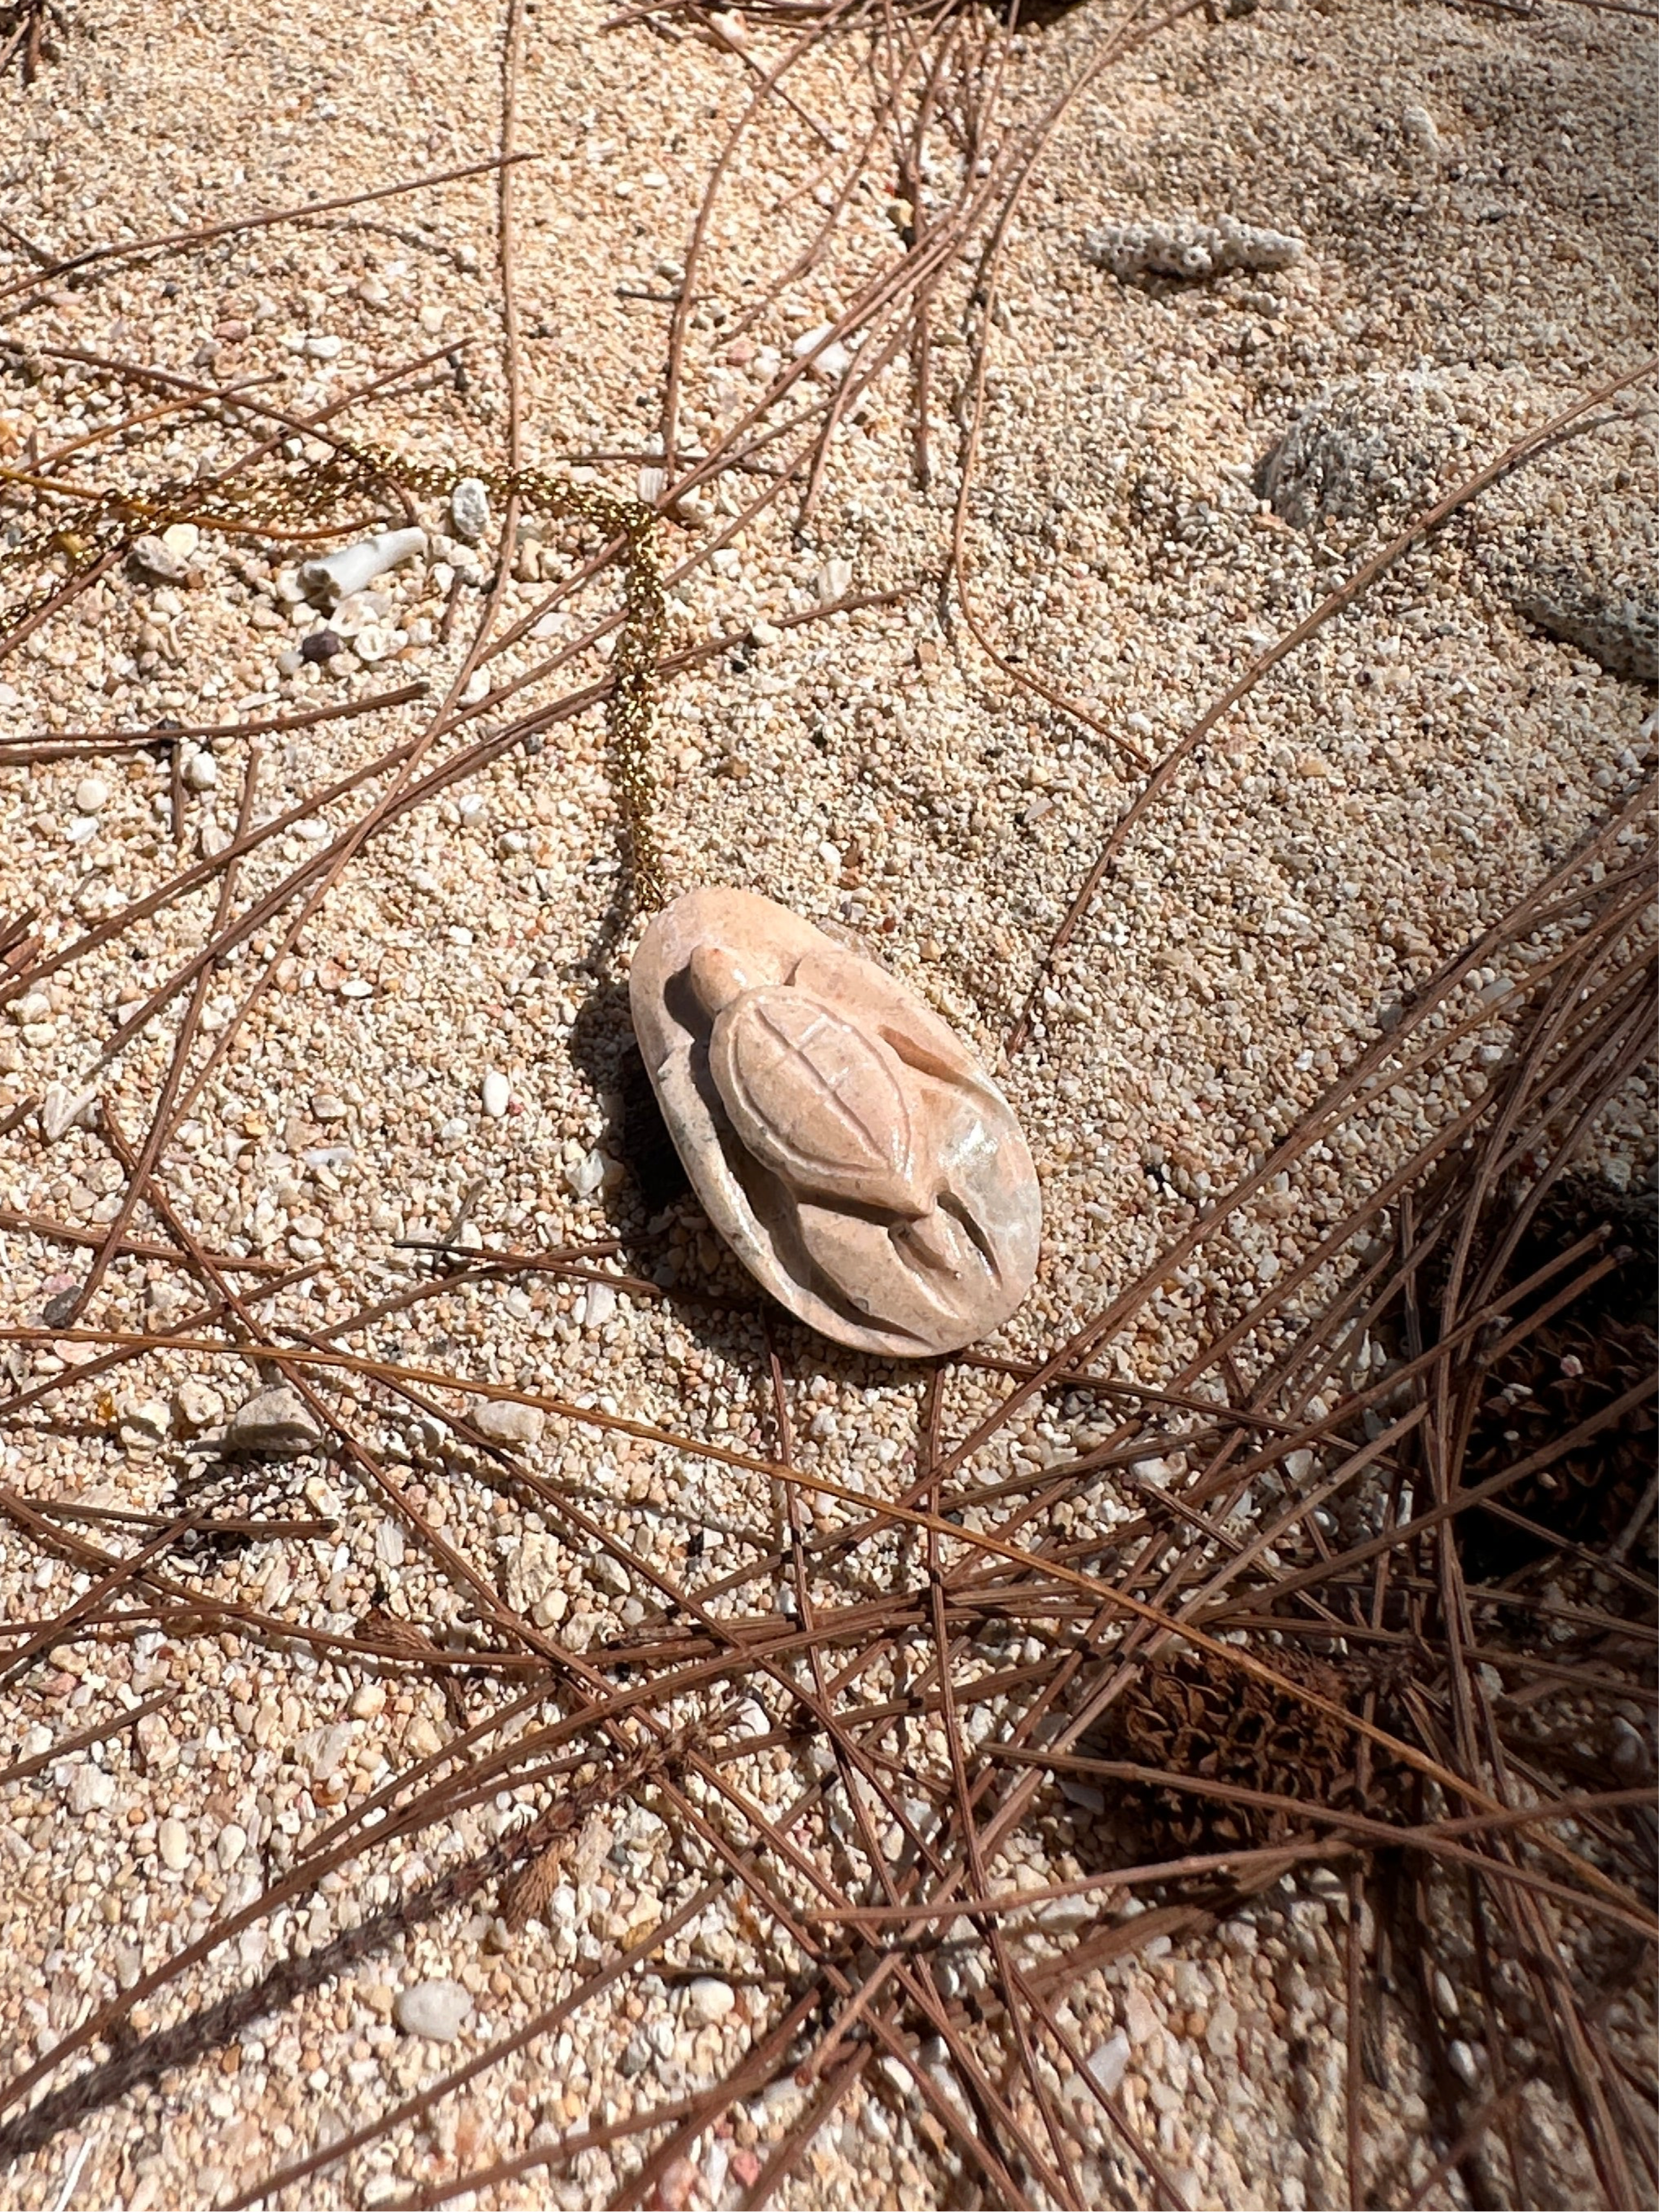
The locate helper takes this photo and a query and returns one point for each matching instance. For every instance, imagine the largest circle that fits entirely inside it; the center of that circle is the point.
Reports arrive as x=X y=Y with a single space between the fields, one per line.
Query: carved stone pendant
x=848 y=1148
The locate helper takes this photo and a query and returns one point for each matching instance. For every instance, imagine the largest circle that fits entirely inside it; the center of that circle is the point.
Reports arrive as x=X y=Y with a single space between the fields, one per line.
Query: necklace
x=840 y=1137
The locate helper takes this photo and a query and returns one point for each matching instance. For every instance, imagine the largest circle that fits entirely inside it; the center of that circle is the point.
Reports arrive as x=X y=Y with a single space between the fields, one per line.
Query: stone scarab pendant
x=853 y=1155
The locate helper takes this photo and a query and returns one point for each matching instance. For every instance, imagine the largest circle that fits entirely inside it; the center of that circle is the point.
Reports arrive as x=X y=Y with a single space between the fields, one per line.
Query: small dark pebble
x=321 y=645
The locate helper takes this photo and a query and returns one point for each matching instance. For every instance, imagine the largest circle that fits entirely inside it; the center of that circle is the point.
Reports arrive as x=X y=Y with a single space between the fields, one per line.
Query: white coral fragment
x=353 y=566
x=1191 y=250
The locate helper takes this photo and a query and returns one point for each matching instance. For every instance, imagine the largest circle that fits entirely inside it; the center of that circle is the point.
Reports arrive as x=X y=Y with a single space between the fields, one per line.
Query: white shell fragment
x=842 y=1138
x=338 y=575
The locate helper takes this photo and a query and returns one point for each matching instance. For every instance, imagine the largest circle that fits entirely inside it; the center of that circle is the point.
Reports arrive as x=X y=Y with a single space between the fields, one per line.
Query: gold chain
x=107 y=526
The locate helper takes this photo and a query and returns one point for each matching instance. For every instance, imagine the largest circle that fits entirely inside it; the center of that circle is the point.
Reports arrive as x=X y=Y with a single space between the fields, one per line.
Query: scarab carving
x=852 y=1153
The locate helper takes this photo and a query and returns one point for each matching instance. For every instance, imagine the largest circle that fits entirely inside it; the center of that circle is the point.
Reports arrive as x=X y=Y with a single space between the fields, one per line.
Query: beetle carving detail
x=843 y=1141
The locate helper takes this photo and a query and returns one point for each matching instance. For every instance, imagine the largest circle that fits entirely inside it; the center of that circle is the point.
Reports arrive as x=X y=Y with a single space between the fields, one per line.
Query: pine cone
x=1194 y=1715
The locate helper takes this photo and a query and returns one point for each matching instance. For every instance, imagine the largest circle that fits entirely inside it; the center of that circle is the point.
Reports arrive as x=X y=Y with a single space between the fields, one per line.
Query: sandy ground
x=1472 y=191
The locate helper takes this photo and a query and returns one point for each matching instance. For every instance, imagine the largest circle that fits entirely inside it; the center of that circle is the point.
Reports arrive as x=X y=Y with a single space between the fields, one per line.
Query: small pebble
x=90 y=1789
x=1460 y=2057
x=469 y=510
x=197 y=1404
x=497 y=1091
x=181 y=539
x=62 y=1108
x=172 y=1842
x=1629 y=1757
x=90 y=793
x=834 y=580
x=356 y=611
x=506 y=1422
x=147 y=1422
x=201 y=771
x=150 y=556
x=321 y=645
x=674 y=2192
x=588 y=1173
x=436 y=2010
x=708 y=2000
x=833 y=362
x=276 y=1421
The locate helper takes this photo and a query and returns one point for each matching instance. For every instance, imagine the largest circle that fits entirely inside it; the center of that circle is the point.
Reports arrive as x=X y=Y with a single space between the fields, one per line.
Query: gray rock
x=152 y=559
x=1629 y=1757
x=636 y=2056
x=469 y=510
x=197 y=1403
x=610 y=1574
x=276 y=1422
x=1372 y=449
x=436 y=2010
x=1585 y=588
x=145 y=1421
x=1110 y=2063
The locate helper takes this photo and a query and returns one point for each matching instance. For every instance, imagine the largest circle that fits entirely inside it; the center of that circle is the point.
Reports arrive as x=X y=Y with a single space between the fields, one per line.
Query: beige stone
x=842 y=1139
